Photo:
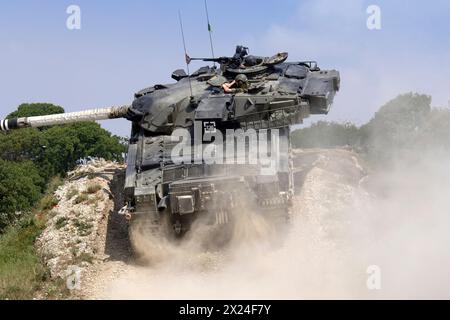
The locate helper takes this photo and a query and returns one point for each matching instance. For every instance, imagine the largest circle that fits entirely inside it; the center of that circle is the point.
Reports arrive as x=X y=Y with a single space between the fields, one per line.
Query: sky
x=124 y=46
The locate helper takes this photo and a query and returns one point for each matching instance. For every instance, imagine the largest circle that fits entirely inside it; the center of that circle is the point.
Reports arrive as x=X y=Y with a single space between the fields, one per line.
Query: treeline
x=404 y=124
x=29 y=158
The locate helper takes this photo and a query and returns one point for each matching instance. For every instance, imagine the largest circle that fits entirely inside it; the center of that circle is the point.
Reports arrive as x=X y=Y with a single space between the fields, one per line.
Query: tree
x=26 y=143
x=396 y=126
x=404 y=125
x=325 y=134
x=20 y=187
x=35 y=109
x=31 y=157
x=56 y=149
x=434 y=135
x=19 y=145
x=68 y=143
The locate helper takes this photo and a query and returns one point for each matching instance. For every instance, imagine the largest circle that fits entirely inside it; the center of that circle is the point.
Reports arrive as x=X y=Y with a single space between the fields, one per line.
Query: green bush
x=84 y=228
x=20 y=188
x=72 y=192
x=81 y=198
x=61 y=222
x=48 y=202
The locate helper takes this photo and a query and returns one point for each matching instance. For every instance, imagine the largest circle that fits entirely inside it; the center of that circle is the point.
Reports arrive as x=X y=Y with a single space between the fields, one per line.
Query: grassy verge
x=22 y=272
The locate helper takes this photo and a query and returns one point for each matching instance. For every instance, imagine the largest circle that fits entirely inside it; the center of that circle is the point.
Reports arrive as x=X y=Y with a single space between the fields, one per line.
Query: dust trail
x=409 y=223
x=344 y=222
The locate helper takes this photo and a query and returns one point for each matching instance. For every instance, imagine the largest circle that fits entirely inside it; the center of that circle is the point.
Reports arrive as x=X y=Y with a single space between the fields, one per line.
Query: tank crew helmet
x=241 y=79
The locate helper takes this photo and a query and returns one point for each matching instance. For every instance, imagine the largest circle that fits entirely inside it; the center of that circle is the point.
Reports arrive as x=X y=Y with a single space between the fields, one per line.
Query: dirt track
x=339 y=230
x=327 y=183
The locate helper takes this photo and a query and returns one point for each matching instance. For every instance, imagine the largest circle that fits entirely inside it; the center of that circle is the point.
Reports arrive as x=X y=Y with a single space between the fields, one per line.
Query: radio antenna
x=209 y=31
x=186 y=56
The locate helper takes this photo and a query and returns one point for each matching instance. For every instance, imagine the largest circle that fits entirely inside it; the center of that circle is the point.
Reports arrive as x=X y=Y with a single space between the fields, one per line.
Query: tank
x=215 y=142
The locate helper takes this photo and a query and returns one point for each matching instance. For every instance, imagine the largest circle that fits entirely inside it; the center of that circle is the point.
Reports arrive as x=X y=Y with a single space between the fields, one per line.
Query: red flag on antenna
x=188 y=59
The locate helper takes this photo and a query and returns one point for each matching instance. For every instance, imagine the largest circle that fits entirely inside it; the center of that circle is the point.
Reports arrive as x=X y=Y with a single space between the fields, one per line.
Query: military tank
x=215 y=141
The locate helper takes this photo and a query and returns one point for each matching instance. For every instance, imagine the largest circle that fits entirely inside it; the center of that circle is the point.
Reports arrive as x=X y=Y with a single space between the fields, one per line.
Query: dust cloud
x=344 y=221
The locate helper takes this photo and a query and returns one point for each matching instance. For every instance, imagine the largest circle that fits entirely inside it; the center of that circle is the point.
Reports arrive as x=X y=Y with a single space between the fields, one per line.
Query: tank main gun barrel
x=64 y=118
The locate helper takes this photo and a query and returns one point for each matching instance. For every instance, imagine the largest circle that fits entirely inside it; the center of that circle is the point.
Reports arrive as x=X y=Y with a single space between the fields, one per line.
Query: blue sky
x=124 y=46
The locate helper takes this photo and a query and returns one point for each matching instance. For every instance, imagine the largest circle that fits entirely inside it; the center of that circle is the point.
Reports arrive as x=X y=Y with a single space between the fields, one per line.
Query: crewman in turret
x=239 y=84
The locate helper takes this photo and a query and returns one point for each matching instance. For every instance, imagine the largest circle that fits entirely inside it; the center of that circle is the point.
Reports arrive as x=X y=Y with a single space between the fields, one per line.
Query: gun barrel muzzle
x=4 y=125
